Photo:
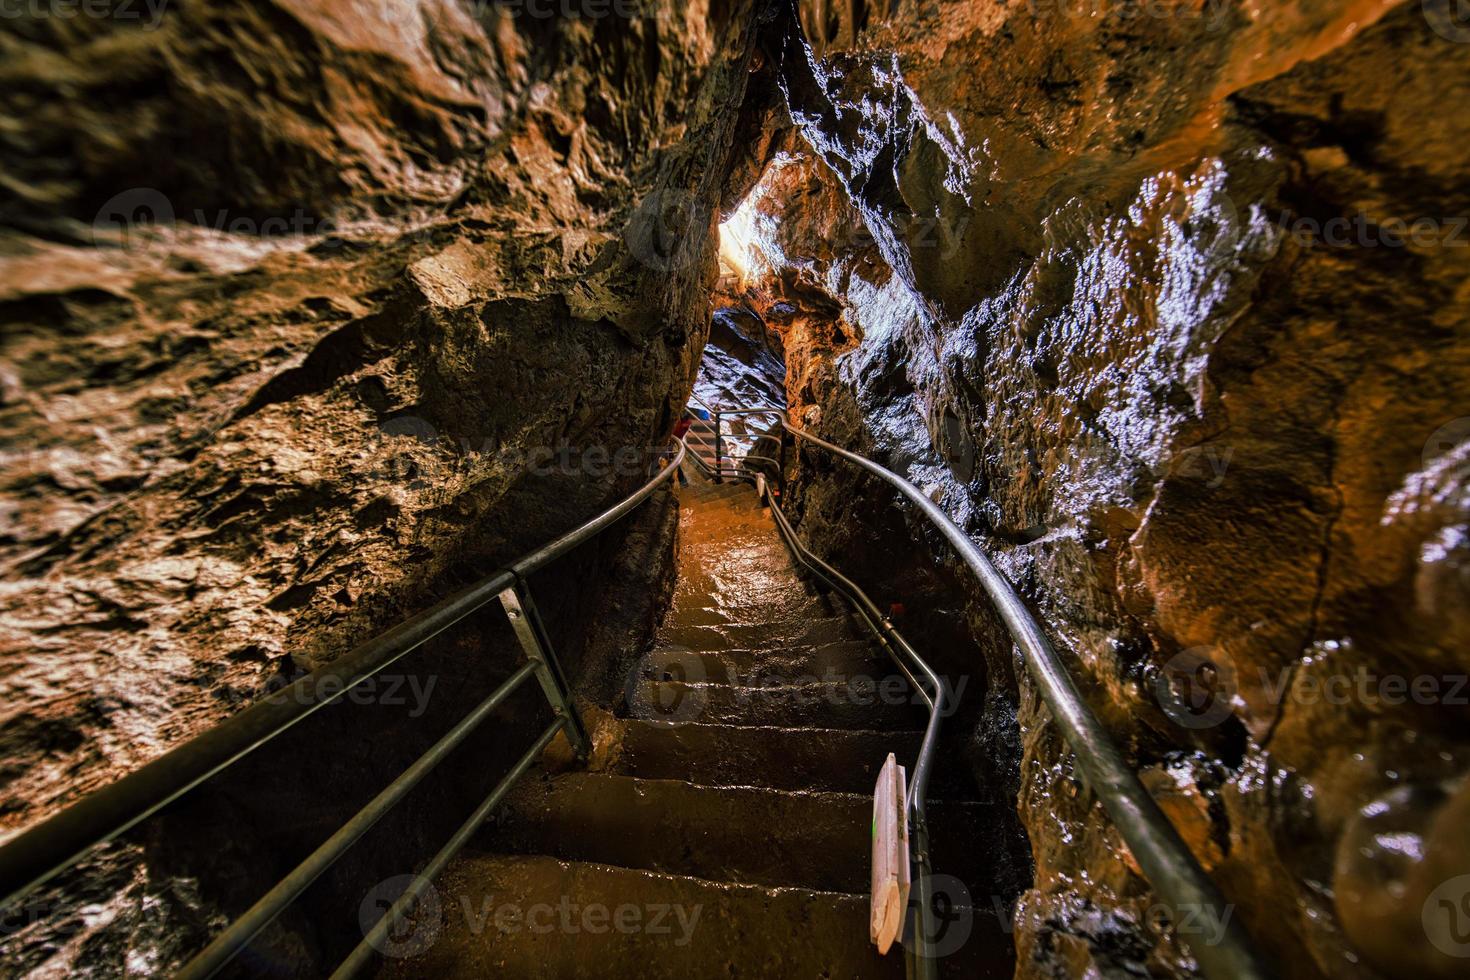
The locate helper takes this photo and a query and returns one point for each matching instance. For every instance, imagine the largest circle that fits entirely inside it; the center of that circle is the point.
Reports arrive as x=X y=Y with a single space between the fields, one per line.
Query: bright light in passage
x=737 y=239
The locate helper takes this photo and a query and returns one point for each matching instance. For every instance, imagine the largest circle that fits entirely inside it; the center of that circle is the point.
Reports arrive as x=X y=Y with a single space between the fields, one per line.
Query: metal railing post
x=719 y=450
x=921 y=962
x=538 y=652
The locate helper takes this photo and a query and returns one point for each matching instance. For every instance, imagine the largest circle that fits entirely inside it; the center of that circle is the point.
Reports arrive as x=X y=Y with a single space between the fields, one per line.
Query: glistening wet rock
x=1170 y=350
x=311 y=313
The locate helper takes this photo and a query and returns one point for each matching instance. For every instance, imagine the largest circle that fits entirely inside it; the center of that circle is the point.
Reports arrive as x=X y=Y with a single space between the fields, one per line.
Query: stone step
x=751 y=835
x=859 y=701
x=741 y=606
x=708 y=488
x=760 y=582
x=761 y=635
x=842 y=659
x=819 y=759
x=540 y=918
x=705 y=489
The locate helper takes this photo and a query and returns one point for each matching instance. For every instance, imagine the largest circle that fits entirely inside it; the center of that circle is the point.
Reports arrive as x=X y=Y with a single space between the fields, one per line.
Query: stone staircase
x=722 y=827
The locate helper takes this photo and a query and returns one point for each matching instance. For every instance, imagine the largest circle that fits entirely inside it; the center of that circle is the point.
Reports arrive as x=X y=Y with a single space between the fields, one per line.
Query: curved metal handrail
x=1160 y=851
x=701 y=403
x=549 y=552
x=47 y=849
x=921 y=965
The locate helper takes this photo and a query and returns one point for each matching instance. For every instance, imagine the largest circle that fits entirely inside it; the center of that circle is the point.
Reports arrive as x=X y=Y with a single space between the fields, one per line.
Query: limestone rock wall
x=1182 y=342
x=311 y=312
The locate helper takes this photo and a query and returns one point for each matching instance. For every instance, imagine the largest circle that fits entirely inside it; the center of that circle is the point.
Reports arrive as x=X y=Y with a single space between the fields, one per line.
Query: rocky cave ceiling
x=1164 y=302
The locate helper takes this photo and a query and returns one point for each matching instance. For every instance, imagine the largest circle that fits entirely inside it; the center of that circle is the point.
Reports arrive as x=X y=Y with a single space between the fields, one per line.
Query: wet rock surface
x=1168 y=347
x=339 y=308
x=312 y=313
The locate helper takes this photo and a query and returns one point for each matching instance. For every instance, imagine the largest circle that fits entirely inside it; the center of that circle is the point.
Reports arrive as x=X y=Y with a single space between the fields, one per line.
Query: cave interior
x=322 y=320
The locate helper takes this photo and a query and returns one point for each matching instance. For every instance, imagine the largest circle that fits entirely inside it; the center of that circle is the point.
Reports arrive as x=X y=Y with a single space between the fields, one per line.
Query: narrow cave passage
x=730 y=787
x=730 y=779
x=486 y=486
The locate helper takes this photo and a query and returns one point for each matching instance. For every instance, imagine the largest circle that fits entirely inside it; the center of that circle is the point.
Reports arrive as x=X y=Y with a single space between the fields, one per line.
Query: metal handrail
x=701 y=402
x=715 y=468
x=708 y=434
x=239 y=933
x=1166 y=860
x=921 y=966
x=706 y=466
x=42 y=852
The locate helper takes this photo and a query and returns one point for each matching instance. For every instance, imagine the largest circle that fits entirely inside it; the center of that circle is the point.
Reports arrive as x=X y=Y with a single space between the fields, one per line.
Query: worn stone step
x=752 y=835
x=773 y=549
x=707 y=490
x=770 y=588
x=860 y=701
x=538 y=917
x=742 y=606
x=845 y=658
x=724 y=491
x=820 y=759
x=789 y=633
